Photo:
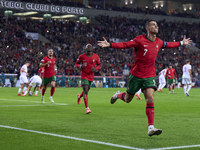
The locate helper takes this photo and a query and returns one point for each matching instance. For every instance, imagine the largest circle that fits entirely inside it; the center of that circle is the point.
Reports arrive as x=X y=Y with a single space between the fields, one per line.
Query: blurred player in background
x=187 y=77
x=49 y=64
x=171 y=76
x=35 y=81
x=138 y=94
x=23 y=78
x=162 y=80
x=41 y=71
x=143 y=73
x=89 y=63
x=2 y=79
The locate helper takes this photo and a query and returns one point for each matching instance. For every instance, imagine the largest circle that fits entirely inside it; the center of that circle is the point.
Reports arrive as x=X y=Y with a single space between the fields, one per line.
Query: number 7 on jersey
x=145 y=51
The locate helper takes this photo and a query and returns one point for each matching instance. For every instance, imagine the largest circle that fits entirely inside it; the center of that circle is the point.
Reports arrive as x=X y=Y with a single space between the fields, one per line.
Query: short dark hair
x=148 y=22
x=187 y=60
x=27 y=61
x=88 y=46
x=50 y=48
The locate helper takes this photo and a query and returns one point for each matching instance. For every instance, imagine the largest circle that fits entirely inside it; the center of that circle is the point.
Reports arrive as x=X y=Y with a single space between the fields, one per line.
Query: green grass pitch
x=119 y=126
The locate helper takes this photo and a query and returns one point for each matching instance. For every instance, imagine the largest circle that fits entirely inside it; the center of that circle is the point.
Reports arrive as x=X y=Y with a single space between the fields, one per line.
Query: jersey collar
x=149 y=39
x=49 y=57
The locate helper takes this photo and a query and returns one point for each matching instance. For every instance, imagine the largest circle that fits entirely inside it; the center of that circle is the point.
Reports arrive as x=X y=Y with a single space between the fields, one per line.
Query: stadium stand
x=69 y=38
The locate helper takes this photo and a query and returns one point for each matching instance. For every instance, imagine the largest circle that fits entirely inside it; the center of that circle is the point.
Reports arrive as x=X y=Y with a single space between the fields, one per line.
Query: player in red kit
x=142 y=75
x=171 y=76
x=49 y=64
x=89 y=63
x=41 y=71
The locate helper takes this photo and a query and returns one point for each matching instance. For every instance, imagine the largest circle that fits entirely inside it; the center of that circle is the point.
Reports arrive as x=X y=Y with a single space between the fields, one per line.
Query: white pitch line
x=32 y=101
x=28 y=105
x=73 y=138
x=177 y=147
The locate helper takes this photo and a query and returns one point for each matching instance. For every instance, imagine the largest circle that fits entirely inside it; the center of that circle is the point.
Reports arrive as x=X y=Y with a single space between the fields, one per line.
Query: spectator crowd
x=70 y=37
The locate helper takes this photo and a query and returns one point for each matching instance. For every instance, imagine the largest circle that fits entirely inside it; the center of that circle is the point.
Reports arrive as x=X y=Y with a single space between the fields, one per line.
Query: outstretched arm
x=186 y=41
x=104 y=43
x=177 y=44
x=120 y=45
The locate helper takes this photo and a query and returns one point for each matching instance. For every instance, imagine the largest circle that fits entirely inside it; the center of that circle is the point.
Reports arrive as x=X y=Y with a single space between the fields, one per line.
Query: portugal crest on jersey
x=157 y=46
x=93 y=60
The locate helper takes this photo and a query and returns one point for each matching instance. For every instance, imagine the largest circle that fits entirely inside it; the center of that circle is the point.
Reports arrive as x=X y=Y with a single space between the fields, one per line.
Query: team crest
x=157 y=46
x=93 y=60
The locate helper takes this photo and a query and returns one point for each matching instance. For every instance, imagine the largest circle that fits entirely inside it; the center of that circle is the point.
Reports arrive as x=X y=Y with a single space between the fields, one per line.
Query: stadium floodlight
x=26 y=13
x=63 y=16
x=8 y=13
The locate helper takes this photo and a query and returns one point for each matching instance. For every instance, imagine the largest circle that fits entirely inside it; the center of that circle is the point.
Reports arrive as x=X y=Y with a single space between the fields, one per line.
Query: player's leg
x=138 y=94
x=45 y=82
x=85 y=97
x=134 y=85
x=184 y=86
x=173 y=85
x=20 y=88
x=149 y=97
x=79 y=96
x=189 y=83
x=148 y=88
x=36 y=92
x=189 y=88
x=27 y=90
x=163 y=84
x=21 y=85
x=169 y=84
x=53 y=85
x=160 y=84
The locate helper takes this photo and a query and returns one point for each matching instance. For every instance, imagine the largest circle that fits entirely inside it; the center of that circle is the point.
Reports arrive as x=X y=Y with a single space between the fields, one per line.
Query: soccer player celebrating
x=41 y=71
x=187 y=77
x=162 y=81
x=23 y=78
x=35 y=82
x=49 y=64
x=89 y=63
x=171 y=73
x=142 y=75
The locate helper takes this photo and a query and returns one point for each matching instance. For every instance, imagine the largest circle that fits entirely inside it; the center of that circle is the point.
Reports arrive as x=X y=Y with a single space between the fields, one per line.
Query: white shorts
x=23 y=79
x=35 y=83
x=186 y=81
x=162 y=80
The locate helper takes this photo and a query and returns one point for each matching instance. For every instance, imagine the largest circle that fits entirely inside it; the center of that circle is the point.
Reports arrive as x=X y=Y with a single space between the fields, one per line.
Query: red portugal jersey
x=92 y=61
x=49 y=69
x=41 y=71
x=171 y=73
x=146 y=53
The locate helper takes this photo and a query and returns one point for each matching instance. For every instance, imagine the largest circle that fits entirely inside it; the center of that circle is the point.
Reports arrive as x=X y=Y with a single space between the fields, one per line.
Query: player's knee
x=150 y=99
x=128 y=99
x=85 y=92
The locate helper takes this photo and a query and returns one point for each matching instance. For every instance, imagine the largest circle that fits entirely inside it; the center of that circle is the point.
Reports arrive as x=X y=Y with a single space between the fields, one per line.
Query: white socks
x=185 y=87
x=36 y=92
x=189 y=87
x=24 y=89
x=25 y=92
x=19 y=90
x=138 y=92
x=150 y=127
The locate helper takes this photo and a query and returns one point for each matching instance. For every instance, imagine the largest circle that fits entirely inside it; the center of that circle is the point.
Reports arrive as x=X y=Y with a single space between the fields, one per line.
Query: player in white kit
x=138 y=94
x=187 y=77
x=162 y=80
x=23 y=78
x=35 y=81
